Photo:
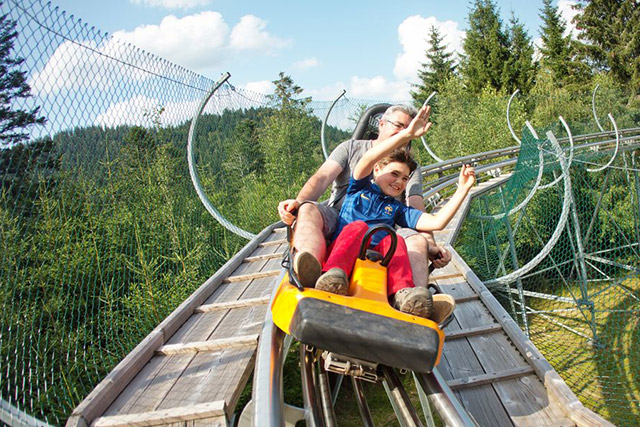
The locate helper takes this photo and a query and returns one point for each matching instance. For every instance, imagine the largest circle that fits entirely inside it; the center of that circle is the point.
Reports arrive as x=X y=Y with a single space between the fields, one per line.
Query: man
x=316 y=222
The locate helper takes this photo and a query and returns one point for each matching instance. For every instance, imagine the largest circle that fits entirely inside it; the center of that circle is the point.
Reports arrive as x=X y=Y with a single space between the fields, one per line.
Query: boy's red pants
x=343 y=253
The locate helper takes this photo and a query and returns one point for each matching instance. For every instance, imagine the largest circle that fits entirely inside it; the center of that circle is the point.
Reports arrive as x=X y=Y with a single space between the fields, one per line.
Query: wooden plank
x=557 y=389
x=212 y=345
x=490 y=377
x=263 y=257
x=244 y=277
x=220 y=375
x=200 y=326
x=445 y=276
x=526 y=399
x=165 y=416
x=458 y=361
x=108 y=389
x=478 y=330
x=274 y=242
x=97 y=402
x=468 y=298
x=246 y=302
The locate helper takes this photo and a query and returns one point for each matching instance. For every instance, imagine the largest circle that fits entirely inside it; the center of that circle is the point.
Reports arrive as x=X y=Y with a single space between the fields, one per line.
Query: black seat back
x=367 y=127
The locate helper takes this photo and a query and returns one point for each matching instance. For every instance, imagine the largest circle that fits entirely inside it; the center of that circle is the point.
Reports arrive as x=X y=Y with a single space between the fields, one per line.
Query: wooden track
x=494 y=369
x=192 y=368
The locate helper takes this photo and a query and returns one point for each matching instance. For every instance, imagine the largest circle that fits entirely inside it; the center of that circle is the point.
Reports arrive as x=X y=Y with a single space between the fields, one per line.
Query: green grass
x=605 y=373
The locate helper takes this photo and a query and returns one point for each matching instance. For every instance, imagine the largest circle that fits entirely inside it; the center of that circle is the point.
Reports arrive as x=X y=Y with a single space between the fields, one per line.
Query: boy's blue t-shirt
x=366 y=202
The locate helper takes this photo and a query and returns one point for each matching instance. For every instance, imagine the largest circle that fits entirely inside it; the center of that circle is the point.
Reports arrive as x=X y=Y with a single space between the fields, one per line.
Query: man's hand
x=439 y=256
x=467 y=177
x=420 y=123
x=286 y=209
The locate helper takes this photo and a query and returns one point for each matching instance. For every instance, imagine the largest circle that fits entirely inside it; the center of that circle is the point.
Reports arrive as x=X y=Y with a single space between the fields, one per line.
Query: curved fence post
x=593 y=107
x=424 y=141
x=564 y=216
x=324 y=123
x=513 y=134
x=194 y=174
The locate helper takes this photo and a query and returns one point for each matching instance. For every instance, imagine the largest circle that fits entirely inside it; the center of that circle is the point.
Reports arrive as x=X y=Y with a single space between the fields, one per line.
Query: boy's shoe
x=307 y=268
x=334 y=281
x=416 y=301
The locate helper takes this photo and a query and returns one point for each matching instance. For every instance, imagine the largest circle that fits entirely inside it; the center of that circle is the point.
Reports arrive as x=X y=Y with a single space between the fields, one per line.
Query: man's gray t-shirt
x=348 y=154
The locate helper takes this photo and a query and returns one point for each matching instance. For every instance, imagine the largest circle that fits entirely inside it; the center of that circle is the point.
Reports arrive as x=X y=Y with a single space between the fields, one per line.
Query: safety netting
x=102 y=232
x=557 y=244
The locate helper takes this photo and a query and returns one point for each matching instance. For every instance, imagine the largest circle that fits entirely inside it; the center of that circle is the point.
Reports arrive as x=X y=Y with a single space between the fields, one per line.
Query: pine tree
x=555 y=47
x=611 y=30
x=519 y=70
x=13 y=86
x=436 y=70
x=486 y=48
x=561 y=60
x=286 y=91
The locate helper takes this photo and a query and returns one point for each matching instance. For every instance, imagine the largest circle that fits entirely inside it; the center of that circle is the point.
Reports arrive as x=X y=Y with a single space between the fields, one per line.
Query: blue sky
x=370 y=48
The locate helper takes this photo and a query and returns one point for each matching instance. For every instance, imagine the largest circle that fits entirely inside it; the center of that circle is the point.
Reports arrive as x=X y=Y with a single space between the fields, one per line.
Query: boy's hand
x=420 y=123
x=285 y=209
x=467 y=177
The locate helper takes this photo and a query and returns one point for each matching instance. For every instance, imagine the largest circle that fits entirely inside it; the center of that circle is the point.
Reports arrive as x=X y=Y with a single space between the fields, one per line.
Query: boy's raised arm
x=438 y=221
x=418 y=127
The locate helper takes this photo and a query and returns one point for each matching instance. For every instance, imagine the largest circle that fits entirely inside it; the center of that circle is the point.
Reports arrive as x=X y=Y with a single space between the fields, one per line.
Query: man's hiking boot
x=334 y=281
x=416 y=301
x=307 y=268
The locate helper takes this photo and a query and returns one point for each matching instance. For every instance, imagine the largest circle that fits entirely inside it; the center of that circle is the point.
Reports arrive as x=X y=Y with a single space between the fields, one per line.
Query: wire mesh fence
x=579 y=304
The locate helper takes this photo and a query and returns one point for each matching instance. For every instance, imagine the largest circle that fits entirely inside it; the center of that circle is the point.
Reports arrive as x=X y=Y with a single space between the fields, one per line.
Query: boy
x=369 y=203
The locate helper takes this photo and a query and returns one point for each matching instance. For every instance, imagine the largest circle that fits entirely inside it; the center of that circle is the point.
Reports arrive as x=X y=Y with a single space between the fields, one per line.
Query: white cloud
x=378 y=88
x=413 y=34
x=63 y=69
x=264 y=86
x=84 y=65
x=305 y=64
x=326 y=93
x=195 y=41
x=172 y=4
x=250 y=34
x=204 y=41
x=565 y=8
x=142 y=110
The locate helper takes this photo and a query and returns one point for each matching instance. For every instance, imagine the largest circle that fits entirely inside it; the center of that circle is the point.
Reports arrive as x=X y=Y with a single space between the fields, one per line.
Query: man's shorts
x=406 y=232
x=329 y=218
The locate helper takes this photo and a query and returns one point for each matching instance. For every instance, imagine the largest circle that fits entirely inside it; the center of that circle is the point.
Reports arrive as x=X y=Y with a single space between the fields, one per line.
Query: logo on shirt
x=364 y=197
x=388 y=210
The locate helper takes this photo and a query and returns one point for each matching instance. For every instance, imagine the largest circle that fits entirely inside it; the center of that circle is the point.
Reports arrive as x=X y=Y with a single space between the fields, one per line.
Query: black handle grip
x=367 y=238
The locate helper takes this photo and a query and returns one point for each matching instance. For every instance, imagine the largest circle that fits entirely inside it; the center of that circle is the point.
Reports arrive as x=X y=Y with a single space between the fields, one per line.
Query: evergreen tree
x=286 y=91
x=555 y=47
x=520 y=69
x=561 y=61
x=289 y=135
x=486 y=47
x=611 y=30
x=13 y=86
x=436 y=70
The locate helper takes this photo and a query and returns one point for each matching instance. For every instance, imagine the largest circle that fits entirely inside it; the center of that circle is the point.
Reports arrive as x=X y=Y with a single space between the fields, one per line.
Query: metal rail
x=441 y=183
x=440 y=168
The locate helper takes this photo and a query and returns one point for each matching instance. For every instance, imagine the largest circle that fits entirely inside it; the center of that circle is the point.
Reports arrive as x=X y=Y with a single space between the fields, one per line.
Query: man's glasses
x=396 y=124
